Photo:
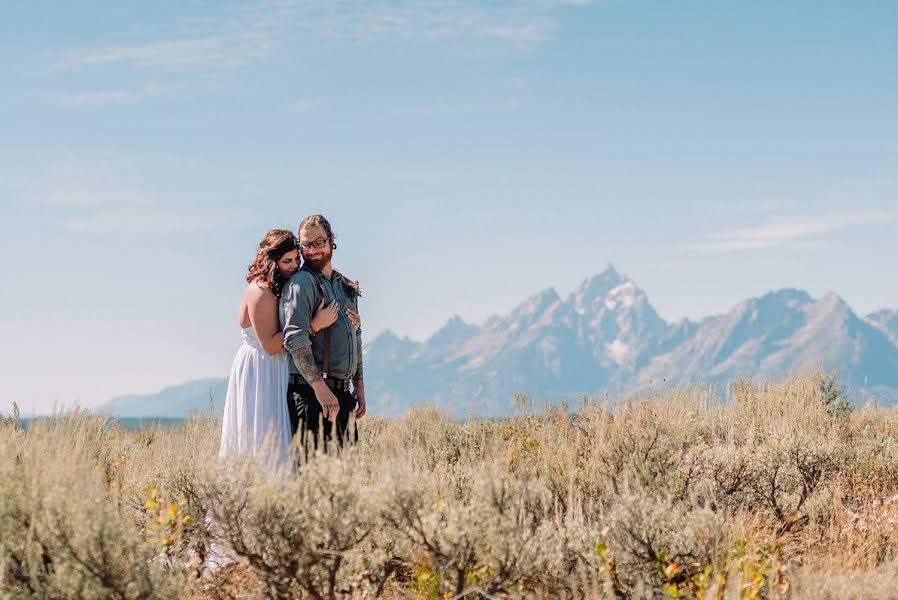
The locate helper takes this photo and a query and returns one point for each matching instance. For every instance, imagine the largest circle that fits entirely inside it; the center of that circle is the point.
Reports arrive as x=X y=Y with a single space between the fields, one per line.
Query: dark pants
x=307 y=418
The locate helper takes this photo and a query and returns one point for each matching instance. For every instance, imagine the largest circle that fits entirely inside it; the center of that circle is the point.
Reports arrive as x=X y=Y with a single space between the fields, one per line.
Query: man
x=326 y=376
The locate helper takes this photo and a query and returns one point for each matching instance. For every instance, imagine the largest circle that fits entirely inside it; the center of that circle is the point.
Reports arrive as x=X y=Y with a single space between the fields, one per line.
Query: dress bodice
x=250 y=338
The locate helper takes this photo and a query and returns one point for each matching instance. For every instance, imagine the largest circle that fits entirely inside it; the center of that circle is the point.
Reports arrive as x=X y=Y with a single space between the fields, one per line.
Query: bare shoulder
x=257 y=292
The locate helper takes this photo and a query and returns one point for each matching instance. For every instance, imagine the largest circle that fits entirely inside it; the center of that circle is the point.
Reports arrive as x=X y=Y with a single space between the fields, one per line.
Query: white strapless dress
x=256 y=421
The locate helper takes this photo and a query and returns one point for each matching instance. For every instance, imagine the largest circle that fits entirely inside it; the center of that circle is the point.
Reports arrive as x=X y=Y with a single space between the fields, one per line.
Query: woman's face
x=289 y=263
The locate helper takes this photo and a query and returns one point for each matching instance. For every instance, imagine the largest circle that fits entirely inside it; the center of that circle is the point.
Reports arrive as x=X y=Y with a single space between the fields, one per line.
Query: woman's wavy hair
x=273 y=246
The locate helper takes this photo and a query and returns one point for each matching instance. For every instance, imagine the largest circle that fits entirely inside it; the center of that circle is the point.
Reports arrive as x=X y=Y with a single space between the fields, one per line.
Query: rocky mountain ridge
x=603 y=337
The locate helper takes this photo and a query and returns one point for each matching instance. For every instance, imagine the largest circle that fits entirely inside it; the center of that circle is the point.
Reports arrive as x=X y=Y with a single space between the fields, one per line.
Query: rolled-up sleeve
x=297 y=308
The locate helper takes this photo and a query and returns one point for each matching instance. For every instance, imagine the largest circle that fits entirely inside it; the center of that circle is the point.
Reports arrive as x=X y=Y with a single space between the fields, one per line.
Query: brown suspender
x=327 y=350
x=327 y=339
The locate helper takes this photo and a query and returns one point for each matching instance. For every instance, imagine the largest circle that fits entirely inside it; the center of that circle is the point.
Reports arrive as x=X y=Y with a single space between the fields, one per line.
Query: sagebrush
x=773 y=491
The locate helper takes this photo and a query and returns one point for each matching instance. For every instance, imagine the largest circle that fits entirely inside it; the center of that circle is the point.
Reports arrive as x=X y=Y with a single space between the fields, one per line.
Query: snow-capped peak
x=624 y=295
x=598 y=286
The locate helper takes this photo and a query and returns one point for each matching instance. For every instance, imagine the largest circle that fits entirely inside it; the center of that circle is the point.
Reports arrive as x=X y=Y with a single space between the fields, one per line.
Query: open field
x=784 y=491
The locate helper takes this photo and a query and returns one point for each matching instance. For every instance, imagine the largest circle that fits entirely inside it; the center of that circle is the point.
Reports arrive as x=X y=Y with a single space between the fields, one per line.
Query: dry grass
x=781 y=492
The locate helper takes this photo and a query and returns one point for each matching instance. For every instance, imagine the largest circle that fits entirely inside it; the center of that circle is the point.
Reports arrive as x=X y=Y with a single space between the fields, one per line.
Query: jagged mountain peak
x=537 y=304
x=609 y=271
x=772 y=305
x=387 y=341
x=599 y=285
x=455 y=330
x=787 y=296
x=387 y=336
x=886 y=320
x=613 y=305
x=547 y=295
x=455 y=320
x=624 y=295
x=833 y=302
x=549 y=349
x=884 y=315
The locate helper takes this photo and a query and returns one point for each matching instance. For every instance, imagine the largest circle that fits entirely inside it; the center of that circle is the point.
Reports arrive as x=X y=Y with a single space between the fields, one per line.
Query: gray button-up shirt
x=300 y=298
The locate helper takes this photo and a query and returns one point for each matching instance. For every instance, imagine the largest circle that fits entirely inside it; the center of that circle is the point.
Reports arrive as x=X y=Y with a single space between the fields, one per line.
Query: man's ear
x=333 y=241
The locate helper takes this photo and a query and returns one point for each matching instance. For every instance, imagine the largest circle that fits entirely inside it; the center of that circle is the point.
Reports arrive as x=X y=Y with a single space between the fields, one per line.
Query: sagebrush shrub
x=60 y=532
x=773 y=490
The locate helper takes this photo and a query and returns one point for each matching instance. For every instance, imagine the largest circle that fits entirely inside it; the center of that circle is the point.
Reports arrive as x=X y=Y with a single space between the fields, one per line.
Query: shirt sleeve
x=354 y=302
x=298 y=305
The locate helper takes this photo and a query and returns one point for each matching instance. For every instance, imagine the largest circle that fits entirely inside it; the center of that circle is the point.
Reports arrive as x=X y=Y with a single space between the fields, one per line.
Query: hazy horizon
x=563 y=296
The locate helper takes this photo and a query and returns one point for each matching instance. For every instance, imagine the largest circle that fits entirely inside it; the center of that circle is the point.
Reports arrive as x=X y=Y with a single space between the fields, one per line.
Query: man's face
x=310 y=239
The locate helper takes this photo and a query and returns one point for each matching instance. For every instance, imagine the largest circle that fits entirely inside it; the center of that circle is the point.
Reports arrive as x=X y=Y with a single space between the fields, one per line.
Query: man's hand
x=325 y=315
x=358 y=394
x=329 y=405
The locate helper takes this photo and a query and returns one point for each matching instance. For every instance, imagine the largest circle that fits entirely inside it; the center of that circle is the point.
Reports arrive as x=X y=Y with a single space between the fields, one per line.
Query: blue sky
x=468 y=155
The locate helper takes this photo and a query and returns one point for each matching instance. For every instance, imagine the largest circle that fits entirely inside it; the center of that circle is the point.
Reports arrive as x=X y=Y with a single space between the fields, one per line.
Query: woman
x=256 y=421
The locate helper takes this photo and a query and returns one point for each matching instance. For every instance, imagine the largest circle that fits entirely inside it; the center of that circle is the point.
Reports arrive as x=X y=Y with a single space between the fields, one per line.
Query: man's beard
x=318 y=263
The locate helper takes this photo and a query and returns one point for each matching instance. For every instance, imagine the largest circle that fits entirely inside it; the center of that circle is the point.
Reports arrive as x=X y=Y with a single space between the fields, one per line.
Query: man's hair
x=316 y=221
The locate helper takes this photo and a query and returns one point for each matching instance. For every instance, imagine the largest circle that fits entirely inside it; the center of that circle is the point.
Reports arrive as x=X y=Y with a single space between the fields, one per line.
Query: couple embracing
x=299 y=369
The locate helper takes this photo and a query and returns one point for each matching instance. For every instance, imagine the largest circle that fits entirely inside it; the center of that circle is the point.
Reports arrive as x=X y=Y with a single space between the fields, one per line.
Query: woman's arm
x=263 y=314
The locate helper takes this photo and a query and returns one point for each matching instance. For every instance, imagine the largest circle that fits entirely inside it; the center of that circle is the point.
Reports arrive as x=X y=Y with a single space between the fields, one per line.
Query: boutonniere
x=353 y=289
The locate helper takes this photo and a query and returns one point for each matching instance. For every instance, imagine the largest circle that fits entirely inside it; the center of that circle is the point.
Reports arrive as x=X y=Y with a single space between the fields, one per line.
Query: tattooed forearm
x=358 y=347
x=305 y=364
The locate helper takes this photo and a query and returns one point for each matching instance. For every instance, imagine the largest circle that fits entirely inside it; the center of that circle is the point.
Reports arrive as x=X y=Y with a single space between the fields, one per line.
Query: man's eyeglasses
x=317 y=244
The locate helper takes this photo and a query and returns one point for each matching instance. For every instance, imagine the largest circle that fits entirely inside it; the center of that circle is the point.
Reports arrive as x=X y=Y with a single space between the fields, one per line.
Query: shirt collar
x=337 y=276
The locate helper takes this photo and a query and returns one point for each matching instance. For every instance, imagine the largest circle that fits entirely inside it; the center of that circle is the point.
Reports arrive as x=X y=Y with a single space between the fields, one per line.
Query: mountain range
x=603 y=337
